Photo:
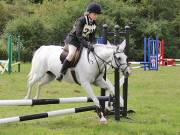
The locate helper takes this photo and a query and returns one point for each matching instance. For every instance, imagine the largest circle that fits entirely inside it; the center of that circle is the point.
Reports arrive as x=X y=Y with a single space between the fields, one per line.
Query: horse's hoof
x=59 y=78
x=103 y=121
x=26 y=97
x=35 y=97
x=109 y=108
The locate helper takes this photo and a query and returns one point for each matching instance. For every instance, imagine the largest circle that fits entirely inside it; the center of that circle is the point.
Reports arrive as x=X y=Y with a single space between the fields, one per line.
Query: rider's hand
x=90 y=47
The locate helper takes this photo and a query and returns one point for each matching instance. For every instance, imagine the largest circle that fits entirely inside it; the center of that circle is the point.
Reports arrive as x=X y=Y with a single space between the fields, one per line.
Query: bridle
x=118 y=65
x=118 y=59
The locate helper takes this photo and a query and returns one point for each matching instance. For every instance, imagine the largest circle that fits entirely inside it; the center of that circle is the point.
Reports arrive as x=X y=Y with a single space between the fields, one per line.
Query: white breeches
x=72 y=50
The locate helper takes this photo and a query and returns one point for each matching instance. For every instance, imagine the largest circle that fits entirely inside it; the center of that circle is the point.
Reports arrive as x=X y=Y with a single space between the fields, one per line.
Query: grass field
x=154 y=95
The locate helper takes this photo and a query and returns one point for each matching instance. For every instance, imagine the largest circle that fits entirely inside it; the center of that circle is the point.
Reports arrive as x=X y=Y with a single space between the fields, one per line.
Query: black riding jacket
x=83 y=32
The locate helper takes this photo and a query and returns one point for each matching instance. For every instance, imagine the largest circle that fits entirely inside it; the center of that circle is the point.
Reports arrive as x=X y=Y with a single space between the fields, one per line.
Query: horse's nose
x=127 y=72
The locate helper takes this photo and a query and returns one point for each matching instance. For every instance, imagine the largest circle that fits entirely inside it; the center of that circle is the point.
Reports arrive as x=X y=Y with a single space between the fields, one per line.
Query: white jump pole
x=47 y=114
x=30 y=102
x=137 y=63
x=137 y=67
x=121 y=82
x=178 y=60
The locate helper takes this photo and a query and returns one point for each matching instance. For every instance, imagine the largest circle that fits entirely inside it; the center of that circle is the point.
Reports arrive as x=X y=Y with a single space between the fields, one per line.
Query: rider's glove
x=90 y=47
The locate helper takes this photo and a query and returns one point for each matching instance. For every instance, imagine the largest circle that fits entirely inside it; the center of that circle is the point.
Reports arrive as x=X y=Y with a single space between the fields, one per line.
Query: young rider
x=83 y=33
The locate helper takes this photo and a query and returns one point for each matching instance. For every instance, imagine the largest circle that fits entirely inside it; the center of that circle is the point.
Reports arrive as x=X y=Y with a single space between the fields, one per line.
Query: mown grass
x=154 y=95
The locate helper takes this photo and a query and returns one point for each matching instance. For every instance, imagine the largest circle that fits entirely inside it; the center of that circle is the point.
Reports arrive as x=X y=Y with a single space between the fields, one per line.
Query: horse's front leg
x=86 y=85
x=107 y=85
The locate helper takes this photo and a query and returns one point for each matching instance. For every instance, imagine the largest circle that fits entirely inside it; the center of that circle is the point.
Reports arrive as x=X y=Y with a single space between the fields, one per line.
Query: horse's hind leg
x=44 y=80
x=31 y=81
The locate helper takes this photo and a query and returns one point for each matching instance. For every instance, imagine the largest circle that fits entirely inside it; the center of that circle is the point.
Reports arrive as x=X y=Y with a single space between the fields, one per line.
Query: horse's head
x=120 y=59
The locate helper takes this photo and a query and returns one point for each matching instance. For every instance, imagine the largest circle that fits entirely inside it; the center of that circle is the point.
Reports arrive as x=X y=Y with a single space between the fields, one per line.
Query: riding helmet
x=94 y=8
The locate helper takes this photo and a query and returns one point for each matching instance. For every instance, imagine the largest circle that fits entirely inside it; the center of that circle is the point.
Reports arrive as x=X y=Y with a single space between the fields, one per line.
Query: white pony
x=46 y=66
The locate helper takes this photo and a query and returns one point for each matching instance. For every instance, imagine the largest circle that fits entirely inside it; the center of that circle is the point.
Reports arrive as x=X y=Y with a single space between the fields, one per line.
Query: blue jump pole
x=157 y=52
x=144 y=53
x=149 y=52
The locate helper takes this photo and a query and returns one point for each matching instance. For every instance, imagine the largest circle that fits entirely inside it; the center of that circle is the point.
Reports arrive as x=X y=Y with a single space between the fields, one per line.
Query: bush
x=49 y=23
x=3 y=54
x=26 y=56
x=31 y=30
x=9 y=12
x=4 y=17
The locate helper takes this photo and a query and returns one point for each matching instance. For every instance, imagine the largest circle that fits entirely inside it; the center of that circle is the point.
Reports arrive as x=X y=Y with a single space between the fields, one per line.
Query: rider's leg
x=66 y=63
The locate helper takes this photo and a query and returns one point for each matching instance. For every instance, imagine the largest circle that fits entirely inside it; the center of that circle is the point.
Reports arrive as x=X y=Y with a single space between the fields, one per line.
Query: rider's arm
x=79 y=31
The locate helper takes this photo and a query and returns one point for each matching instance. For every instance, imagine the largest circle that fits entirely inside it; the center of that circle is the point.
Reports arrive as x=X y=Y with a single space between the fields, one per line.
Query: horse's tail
x=35 y=64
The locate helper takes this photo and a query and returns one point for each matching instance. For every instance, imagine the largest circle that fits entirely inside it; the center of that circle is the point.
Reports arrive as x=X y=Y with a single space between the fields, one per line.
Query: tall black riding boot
x=64 y=69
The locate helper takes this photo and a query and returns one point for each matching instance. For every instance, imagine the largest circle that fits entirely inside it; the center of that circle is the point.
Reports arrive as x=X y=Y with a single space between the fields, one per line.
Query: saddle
x=76 y=57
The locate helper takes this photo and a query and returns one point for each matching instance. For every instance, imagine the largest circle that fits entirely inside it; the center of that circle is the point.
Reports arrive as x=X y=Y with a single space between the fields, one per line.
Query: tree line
x=42 y=22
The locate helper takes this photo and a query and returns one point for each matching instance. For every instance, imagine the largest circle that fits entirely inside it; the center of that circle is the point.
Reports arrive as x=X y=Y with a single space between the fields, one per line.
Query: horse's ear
x=122 y=45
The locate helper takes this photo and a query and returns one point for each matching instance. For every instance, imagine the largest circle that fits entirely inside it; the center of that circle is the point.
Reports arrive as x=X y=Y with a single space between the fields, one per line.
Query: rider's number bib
x=88 y=29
